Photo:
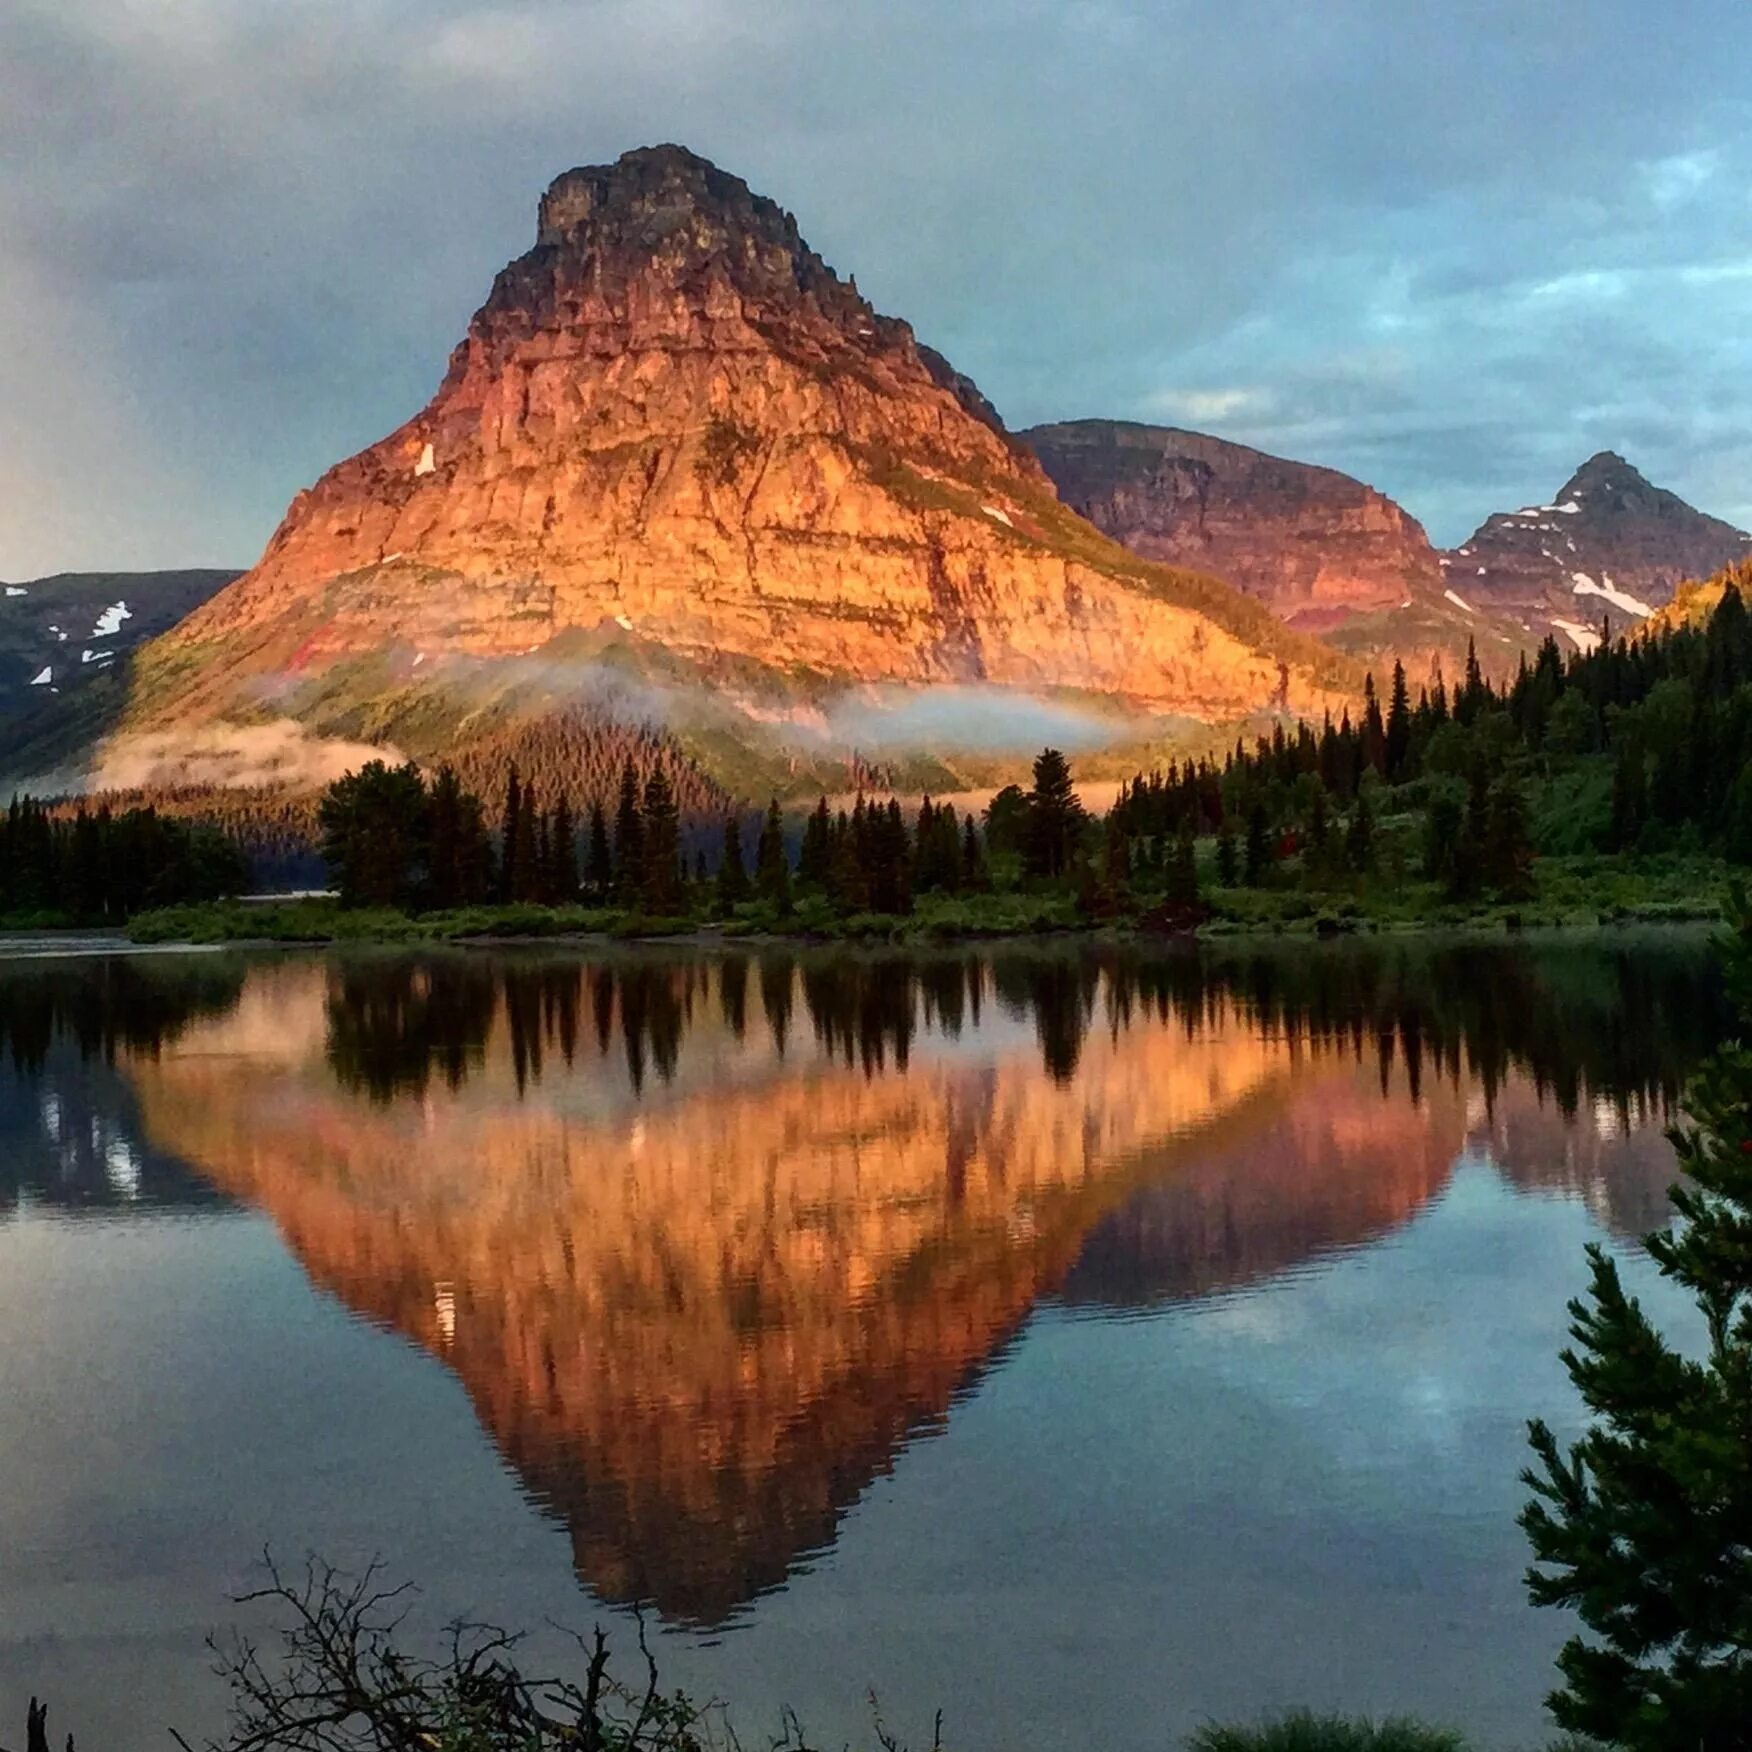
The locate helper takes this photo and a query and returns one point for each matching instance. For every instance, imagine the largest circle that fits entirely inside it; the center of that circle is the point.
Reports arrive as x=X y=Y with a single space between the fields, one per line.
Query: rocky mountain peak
x=1610 y=543
x=674 y=436
x=1605 y=468
x=1313 y=544
x=671 y=210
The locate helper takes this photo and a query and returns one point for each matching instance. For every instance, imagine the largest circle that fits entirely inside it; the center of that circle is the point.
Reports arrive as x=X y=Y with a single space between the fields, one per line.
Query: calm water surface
x=1089 y=1342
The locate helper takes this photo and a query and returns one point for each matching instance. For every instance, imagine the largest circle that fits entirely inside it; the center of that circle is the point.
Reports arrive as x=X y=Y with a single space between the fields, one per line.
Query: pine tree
x=1055 y=817
x=1473 y=694
x=815 y=856
x=974 y=877
x=1643 y=1526
x=1226 y=860
x=772 y=868
x=732 y=874
x=1508 y=841
x=660 y=847
x=1374 y=749
x=1182 y=873
x=1398 y=729
x=1359 y=835
x=523 y=856
x=563 y=855
x=629 y=840
x=509 y=875
x=599 y=856
x=1259 y=848
x=462 y=852
x=1630 y=797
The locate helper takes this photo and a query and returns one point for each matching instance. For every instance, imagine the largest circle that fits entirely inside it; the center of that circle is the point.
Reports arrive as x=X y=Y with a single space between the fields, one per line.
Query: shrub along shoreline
x=1582 y=893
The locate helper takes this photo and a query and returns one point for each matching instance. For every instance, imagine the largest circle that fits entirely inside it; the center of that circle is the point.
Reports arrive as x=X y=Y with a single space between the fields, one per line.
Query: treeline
x=583 y=756
x=390 y=837
x=274 y=829
x=1672 y=713
x=97 y=866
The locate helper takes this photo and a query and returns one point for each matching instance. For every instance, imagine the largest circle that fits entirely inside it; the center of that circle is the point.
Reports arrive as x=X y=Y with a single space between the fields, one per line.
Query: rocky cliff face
x=1314 y=545
x=1609 y=545
x=673 y=430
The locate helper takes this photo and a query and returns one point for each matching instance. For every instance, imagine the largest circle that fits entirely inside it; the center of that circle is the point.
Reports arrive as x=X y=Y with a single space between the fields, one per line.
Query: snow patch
x=43 y=677
x=998 y=512
x=1569 y=508
x=1586 y=638
x=109 y=623
x=427 y=461
x=1585 y=586
x=1458 y=601
x=622 y=620
x=16 y=590
x=95 y=656
x=1481 y=571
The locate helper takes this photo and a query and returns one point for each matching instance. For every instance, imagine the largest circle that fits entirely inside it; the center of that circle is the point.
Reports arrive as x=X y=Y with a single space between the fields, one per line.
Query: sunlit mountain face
x=709 y=1239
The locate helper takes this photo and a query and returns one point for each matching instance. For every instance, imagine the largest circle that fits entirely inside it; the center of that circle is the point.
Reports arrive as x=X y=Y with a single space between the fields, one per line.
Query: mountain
x=680 y=464
x=1609 y=544
x=1312 y=544
x=59 y=634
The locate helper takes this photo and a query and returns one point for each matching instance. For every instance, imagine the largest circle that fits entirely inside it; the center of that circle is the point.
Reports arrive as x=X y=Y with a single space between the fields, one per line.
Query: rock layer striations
x=673 y=429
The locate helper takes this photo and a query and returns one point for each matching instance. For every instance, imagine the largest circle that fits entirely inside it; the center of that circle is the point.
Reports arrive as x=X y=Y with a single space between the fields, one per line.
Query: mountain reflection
x=708 y=1239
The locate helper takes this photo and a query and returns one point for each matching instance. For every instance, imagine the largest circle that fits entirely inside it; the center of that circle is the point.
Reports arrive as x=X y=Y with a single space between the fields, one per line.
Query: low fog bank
x=281 y=755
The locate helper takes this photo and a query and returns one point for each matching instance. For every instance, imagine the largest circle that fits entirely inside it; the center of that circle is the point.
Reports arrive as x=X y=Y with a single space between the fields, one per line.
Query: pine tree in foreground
x=1644 y=1526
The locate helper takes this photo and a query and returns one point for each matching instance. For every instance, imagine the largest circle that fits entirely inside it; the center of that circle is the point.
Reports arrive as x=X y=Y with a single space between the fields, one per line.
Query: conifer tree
x=508 y=834
x=816 y=853
x=772 y=869
x=1374 y=745
x=1055 y=817
x=1508 y=843
x=522 y=854
x=1227 y=863
x=1630 y=797
x=1398 y=747
x=1643 y=1527
x=660 y=847
x=1359 y=834
x=1182 y=872
x=629 y=840
x=974 y=877
x=563 y=854
x=732 y=873
x=599 y=856
x=1259 y=849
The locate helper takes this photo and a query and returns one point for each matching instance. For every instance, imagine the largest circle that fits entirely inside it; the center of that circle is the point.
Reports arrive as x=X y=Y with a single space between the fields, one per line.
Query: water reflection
x=708 y=1239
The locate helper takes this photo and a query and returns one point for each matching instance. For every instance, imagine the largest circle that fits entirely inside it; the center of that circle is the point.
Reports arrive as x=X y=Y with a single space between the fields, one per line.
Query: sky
x=1451 y=246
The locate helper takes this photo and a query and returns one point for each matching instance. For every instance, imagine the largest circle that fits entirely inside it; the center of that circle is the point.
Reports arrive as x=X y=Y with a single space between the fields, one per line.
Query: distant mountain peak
x=1311 y=543
x=1611 y=540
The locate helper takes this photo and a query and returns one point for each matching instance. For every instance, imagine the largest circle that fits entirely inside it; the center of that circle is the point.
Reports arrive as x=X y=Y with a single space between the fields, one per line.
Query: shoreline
x=75 y=944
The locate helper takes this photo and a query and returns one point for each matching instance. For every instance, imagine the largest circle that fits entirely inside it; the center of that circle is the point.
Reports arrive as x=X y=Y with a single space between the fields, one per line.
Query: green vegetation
x=1643 y=1527
x=96 y=867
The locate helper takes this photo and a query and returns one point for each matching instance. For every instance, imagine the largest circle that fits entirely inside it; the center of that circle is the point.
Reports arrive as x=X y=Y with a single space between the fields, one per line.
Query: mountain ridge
x=673 y=435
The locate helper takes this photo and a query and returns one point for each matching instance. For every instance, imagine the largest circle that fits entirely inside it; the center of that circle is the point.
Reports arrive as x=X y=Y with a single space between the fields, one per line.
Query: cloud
x=974 y=720
x=230 y=756
x=241 y=239
x=1211 y=406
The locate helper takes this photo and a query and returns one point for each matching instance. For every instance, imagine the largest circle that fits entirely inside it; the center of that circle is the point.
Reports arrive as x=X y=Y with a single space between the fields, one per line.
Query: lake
x=1088 y=1341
